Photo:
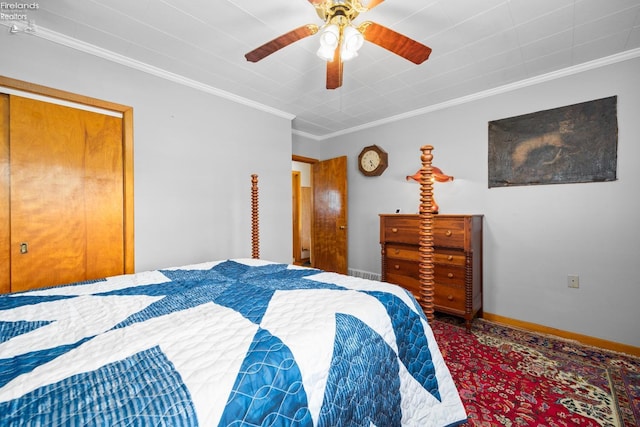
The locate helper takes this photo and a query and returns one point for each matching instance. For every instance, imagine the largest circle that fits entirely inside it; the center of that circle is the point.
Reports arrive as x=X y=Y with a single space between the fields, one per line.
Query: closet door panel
x=66 y=194
x=5 y=259
x=104 y=196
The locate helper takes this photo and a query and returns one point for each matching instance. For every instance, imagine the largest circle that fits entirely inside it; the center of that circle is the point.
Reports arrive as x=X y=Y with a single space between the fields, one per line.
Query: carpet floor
x=511 y=377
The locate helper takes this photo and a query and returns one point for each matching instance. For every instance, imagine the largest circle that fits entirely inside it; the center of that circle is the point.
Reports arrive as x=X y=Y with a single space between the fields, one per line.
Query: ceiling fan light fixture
x=329 y=40
x=330 y=36
x=351 y=43
x=325 y=53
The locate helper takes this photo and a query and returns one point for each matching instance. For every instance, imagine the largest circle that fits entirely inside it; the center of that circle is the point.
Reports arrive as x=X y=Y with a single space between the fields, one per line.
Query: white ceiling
x=478 y=47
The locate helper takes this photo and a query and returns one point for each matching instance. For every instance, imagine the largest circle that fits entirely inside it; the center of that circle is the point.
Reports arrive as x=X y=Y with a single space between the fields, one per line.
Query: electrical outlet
x=573 y=281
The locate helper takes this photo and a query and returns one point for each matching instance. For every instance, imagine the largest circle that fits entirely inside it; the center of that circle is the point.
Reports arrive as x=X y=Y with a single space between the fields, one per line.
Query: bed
x=235 y=342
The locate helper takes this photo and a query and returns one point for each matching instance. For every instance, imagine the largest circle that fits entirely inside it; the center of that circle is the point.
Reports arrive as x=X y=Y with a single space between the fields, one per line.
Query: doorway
x=323 y=194
x=302 y=212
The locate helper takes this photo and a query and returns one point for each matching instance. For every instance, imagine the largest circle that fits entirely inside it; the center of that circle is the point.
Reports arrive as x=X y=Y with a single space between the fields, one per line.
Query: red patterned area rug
x=511 y=377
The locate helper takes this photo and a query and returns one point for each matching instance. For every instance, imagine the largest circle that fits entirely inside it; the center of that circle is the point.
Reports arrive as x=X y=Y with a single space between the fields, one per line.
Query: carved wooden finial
x=426 y=265
x=255 y=223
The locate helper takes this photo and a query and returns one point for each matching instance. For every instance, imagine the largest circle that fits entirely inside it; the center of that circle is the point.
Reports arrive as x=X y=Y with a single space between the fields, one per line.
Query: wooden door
x=330 y=215
x=5 y=258
x=66 y=194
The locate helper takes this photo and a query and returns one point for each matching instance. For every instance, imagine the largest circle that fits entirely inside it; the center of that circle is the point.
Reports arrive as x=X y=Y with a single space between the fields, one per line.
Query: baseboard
x=584 y=339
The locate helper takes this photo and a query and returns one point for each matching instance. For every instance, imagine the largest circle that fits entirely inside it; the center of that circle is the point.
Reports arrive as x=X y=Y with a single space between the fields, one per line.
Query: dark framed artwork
x=576 y=143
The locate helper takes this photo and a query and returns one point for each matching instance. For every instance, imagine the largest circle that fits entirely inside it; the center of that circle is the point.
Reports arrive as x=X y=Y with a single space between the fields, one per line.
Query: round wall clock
x=372 y=160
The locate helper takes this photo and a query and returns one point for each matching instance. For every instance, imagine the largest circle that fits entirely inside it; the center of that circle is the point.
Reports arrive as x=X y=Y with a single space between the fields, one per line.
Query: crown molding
x=576 y=69
x=76 y=44
x=73 y=43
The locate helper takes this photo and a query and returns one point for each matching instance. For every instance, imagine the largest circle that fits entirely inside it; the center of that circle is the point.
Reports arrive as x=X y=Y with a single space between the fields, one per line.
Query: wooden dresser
x=457 y=259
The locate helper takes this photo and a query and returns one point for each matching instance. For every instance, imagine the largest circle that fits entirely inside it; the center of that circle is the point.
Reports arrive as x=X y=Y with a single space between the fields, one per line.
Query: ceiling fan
x=340 y=39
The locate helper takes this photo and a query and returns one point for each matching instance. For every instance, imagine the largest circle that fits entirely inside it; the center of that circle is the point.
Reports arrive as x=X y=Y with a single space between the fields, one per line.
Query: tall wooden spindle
x=426 y=267
x=255 y=225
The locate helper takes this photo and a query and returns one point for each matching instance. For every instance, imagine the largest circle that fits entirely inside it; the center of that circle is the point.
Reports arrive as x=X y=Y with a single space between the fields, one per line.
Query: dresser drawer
x=402 y=267
x=401 y=229
x=449 y=275
x=449 y=257
x=449 y=232
x=450 y=297
x=409 y=253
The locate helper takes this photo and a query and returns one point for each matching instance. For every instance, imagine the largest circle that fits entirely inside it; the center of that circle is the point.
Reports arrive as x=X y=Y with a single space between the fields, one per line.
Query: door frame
x=26 y=88
x=311 y=161
x=296 y=216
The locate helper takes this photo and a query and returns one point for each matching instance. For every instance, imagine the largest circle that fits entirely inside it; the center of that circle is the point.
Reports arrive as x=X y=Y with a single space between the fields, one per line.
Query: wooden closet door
x=66 y=194
x=5 y=266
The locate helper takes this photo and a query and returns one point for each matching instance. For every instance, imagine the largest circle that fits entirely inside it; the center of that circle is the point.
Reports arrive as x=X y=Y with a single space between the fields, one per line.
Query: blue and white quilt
x=229 y=343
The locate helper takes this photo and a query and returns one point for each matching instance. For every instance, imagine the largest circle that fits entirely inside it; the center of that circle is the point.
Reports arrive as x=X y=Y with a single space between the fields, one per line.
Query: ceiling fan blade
x=334 y=71
x=395 y=42
x=281 y=41
x=372 y=4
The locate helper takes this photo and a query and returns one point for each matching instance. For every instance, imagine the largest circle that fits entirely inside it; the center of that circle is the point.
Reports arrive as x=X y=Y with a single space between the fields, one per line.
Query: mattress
x=238 y=342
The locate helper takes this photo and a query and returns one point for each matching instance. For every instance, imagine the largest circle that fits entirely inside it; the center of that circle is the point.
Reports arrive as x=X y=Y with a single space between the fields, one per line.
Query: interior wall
x=534 y=236
x=305 y=172
x=194 y=154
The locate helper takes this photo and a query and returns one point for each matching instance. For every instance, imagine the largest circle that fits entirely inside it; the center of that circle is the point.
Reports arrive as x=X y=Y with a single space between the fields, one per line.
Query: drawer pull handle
x=448 y=233
x=450 y=258
x=450 y=297
x=450 y=275
x=394 y=230
x=397 y=267
x=397 y=251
